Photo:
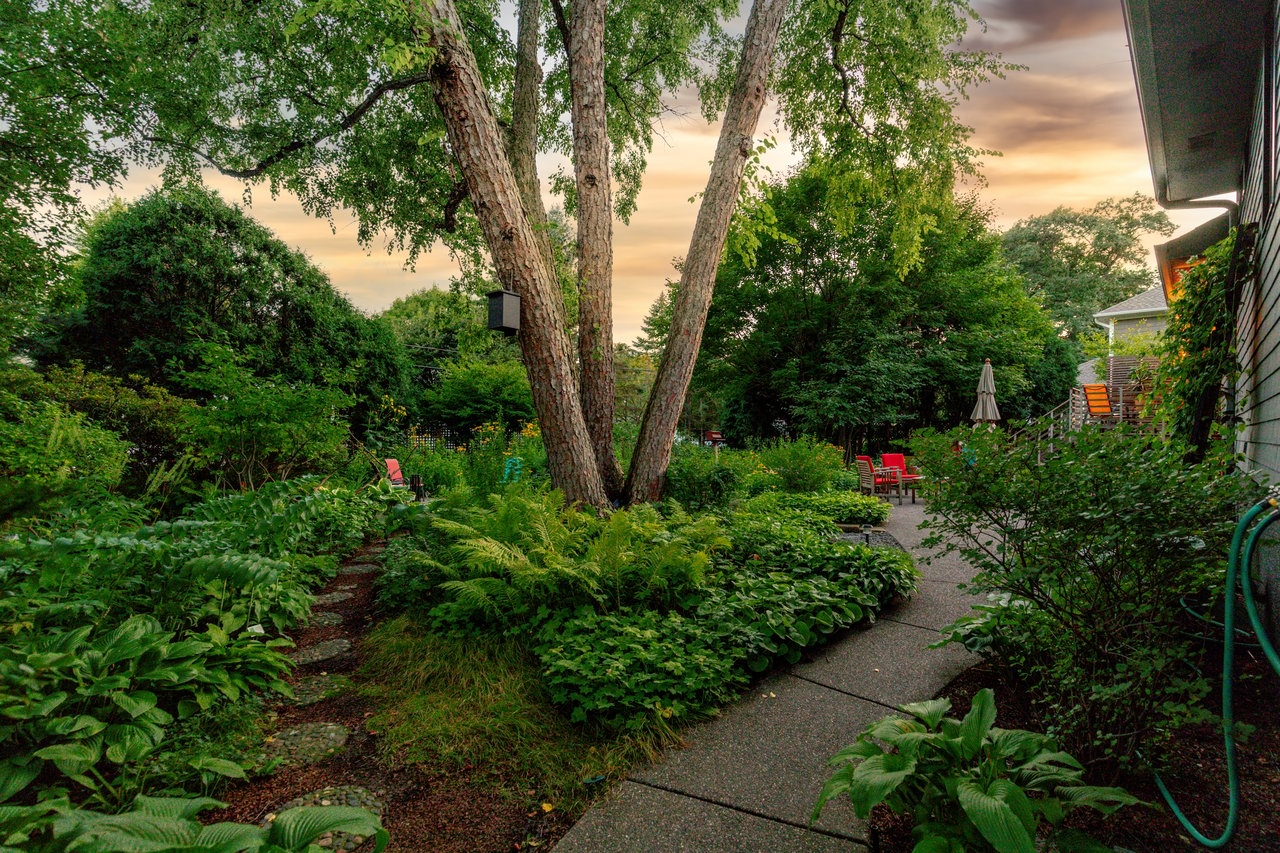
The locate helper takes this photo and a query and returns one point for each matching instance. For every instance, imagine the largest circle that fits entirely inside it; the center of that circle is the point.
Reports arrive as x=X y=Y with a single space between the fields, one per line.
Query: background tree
x=469 y=394
x=60 y=86
x=1077 y=262
x=181 y=267
x=821 y=335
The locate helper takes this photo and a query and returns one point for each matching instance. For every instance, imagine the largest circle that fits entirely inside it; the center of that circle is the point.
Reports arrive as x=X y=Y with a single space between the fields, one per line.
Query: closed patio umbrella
x=986 y=411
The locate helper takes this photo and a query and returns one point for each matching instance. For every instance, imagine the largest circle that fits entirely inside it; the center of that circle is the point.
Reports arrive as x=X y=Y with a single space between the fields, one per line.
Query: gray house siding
x=1258 y=321
x=1258 y=330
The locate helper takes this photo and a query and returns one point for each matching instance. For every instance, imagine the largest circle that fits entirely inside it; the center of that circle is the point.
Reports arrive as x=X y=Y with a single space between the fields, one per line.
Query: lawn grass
x=477 y=703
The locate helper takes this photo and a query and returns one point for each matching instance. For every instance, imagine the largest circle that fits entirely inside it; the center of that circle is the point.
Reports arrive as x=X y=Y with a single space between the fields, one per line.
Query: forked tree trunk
x=595 y=233
x=475 y=140
x=693 y=296
x=523 y=147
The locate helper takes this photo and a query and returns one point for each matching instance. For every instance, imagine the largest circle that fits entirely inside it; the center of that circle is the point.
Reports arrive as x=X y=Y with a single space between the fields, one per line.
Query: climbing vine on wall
x=1198 y=348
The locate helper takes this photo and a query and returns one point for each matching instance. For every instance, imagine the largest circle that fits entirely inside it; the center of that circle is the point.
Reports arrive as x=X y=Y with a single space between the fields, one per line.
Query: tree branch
x=562 y=24
x=459 y=194
x=347 y=122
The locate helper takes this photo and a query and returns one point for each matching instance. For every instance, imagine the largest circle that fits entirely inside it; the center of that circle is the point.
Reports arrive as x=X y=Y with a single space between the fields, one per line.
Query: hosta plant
x=970 y=787
x=169 y=824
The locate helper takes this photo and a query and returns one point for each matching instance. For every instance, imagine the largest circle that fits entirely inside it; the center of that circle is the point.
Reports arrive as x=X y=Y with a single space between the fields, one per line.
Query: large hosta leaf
x=976 y=723
x=297 y=828
x=876 y=778
x=995 y=819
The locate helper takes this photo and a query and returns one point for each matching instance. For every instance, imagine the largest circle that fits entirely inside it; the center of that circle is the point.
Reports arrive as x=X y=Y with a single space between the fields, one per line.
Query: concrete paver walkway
x=748 y=779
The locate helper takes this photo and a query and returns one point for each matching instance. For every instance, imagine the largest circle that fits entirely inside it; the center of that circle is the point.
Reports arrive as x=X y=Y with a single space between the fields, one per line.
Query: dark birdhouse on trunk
x=504 y=311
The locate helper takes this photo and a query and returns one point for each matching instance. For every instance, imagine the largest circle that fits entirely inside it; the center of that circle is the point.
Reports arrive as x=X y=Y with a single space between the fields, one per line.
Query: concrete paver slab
x=935 y=604
x=768 y=754
x=890 y=664
x=642 y=819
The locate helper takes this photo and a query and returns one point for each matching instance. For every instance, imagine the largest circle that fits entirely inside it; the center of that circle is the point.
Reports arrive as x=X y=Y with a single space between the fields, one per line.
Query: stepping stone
x=307 y=744
x=325 y=619
x=359 y=569
x=345 y=586
x=345 y=795
x=314 y=688
x=333 y=597
x=321 y=651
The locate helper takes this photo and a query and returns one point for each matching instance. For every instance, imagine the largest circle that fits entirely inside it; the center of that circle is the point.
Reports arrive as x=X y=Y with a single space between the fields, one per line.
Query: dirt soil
x=1195 y=773
x=427 y=809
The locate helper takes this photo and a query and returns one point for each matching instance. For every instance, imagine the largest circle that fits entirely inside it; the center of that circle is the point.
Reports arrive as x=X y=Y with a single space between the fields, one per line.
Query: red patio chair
x=877 y=481
x=908 y=477
x=394 y=475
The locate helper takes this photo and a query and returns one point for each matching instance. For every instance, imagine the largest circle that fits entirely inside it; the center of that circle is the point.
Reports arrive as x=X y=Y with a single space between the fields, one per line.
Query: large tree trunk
x=475 y=140
x=523 y=142
x=595 y=232
x=693 y=296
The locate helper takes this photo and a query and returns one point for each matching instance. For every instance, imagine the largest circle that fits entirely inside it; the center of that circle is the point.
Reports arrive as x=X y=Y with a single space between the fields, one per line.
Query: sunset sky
x=1068 y=127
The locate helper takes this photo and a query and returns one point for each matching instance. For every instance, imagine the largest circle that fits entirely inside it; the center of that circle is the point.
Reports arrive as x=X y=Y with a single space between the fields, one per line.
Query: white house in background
x=1143 y=314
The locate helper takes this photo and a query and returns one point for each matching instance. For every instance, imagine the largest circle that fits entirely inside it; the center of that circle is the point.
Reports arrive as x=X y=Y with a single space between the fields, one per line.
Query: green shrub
x=1096 y=544
x=804 y=465
x=627 y=668
x=842 y=507
x=696 y=480
x=971 y=788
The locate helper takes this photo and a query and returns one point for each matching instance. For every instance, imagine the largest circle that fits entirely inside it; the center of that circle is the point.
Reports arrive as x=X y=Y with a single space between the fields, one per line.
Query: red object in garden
x=393 y=473
x=897 y=462
x=875 y=481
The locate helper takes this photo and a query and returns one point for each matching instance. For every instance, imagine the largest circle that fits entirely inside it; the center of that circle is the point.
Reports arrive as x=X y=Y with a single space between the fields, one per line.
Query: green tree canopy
x=823 y=334
x=1077 y=262
x=473 y=393
x=180 y=267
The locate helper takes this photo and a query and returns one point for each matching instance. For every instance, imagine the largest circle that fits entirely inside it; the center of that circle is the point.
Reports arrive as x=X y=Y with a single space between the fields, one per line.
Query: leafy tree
x=822 y=336
x=475 y=393
x=59 y=88
x=1077 y=262
x=181 y=267
x=438 y=327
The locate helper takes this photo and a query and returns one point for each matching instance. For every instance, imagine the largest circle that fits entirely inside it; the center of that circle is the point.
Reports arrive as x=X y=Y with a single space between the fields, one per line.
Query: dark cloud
x=1018 y=24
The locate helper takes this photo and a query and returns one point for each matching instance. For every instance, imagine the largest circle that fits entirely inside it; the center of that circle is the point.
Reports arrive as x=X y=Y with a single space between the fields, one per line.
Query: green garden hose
x=1238 y=562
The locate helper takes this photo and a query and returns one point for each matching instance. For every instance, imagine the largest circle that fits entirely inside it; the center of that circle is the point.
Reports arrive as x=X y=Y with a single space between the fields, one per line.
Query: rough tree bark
x=693 y=297
x=475 y=140
x=595 y=232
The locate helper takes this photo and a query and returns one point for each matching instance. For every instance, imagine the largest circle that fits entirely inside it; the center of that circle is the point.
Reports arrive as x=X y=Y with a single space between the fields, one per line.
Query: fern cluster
x=497 y=563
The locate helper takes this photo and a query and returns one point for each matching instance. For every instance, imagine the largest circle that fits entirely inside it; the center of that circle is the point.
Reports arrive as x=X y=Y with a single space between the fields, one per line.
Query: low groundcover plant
x=970 y=787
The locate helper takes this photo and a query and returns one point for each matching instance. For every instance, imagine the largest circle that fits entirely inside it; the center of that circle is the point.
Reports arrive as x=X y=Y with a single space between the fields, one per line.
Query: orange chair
x=1098 y=399
x=907 y=477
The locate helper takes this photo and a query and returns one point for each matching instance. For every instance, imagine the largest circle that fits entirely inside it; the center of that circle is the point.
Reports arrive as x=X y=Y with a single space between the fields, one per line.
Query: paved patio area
x=748 y=779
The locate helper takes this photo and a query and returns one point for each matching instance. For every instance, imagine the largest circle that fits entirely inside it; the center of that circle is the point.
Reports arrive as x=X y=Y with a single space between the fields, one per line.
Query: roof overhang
x=1196 y=63
x=1181 y=249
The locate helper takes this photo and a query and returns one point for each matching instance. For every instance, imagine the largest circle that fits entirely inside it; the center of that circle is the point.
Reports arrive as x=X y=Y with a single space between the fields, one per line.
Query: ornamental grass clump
x=1094 y=545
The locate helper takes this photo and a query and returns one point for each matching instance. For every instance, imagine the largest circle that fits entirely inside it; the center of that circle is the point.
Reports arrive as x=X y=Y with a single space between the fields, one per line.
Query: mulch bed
x=426 y=809
x=1195 y=773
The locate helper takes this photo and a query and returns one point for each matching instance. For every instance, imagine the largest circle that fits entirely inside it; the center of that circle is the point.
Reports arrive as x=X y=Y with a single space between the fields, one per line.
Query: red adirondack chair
x=394 y=475
x=907 y=477
x=877 y=481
